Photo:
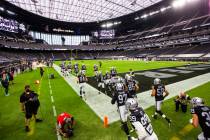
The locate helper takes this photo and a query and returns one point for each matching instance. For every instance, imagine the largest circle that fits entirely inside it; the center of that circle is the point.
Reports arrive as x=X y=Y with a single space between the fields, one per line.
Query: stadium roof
x=83 y=10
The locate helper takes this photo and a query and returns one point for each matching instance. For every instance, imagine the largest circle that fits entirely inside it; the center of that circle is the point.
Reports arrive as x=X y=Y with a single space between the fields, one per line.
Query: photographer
x=29 y=104
x=182 y=99
x=65 y=124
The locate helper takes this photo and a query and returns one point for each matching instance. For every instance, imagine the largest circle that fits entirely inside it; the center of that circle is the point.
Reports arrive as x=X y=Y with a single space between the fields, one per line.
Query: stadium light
x=144 y=16
x=153 y=13
x=178 y=3
x=10 y=12
x=116 y=23
x=110 y=24
x=163 y=9
x=1 y=8
x=136 y=18
x=103 y=25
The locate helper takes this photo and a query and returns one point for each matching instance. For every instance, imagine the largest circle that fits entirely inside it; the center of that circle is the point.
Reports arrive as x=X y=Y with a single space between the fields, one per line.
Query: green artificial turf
x=124 y=66
x=88 y=126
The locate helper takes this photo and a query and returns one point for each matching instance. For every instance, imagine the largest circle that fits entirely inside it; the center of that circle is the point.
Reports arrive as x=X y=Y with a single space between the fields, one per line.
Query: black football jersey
x=131 y=86
x=82 y=78
x=83 y=67
x=95 y=68
x=100 y=78
x=159 y=89
x=203 y=113
x=138 y=115
x=120 y=98
x=113 y=72
x=107 y=76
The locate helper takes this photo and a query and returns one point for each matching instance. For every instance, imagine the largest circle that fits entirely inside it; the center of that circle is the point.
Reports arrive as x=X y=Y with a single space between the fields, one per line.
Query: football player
x=95 y=69
x=62 y=67
x=65 y=123
x=132 y=87
x=113 y=72
x=140 y=121
x=100 y=80
x=131 y=73
x=159 y=92
x=107 y=82
x=69 y=67
x=66 y=72
x=76 y=68
x=84 y=68
x=201 y=116
x=82 y=79
x=120 y=96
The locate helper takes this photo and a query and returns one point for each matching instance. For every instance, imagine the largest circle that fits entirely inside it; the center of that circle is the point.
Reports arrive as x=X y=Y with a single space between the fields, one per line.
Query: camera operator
x=182 y=99
x=65 y=124
x=29 y=104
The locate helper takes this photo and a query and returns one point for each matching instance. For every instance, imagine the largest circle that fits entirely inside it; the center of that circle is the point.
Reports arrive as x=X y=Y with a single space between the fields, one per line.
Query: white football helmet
x=119 y=87
x=82 y=72
x=157 y=81
x=127 y=76
x=196 y=101
x=131 y=104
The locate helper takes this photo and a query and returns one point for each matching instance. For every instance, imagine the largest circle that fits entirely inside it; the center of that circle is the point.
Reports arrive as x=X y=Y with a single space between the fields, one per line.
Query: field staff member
x=29 y=104
x=41 y=71
x=65 y=124
x=5 y=82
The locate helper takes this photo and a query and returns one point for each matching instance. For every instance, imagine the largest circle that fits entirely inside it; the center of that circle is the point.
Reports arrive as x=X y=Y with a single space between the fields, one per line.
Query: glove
x=191 y=121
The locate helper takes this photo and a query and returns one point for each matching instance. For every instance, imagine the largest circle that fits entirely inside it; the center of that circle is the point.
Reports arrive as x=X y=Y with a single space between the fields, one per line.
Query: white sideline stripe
x=101 y=104
x=50 y=92
x=52 y=99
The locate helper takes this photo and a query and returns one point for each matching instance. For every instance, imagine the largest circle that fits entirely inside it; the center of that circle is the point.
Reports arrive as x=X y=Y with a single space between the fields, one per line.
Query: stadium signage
x=62 y=30
x=8 y=25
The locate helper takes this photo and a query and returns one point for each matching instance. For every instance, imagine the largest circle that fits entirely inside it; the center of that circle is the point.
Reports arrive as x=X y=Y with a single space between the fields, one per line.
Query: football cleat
x=27 y=129
x=154 y=116
x=169 y=123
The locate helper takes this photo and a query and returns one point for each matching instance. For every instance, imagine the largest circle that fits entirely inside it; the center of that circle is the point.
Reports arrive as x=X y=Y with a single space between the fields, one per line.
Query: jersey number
x=122 y=98
x=147 y=126
x=207 y=115
x=160 y=91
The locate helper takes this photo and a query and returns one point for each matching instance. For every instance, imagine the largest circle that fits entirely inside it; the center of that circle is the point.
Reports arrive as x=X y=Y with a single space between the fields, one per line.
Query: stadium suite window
x=54 y=39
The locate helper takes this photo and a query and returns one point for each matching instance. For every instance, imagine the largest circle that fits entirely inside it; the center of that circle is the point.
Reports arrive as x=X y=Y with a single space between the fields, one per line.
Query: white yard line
x=54 y=111
x=101 y=103
x=53 y=107
x=52 y=100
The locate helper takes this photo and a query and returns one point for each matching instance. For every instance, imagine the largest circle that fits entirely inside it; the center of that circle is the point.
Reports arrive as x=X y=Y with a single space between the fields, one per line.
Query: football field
x=56 y=96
